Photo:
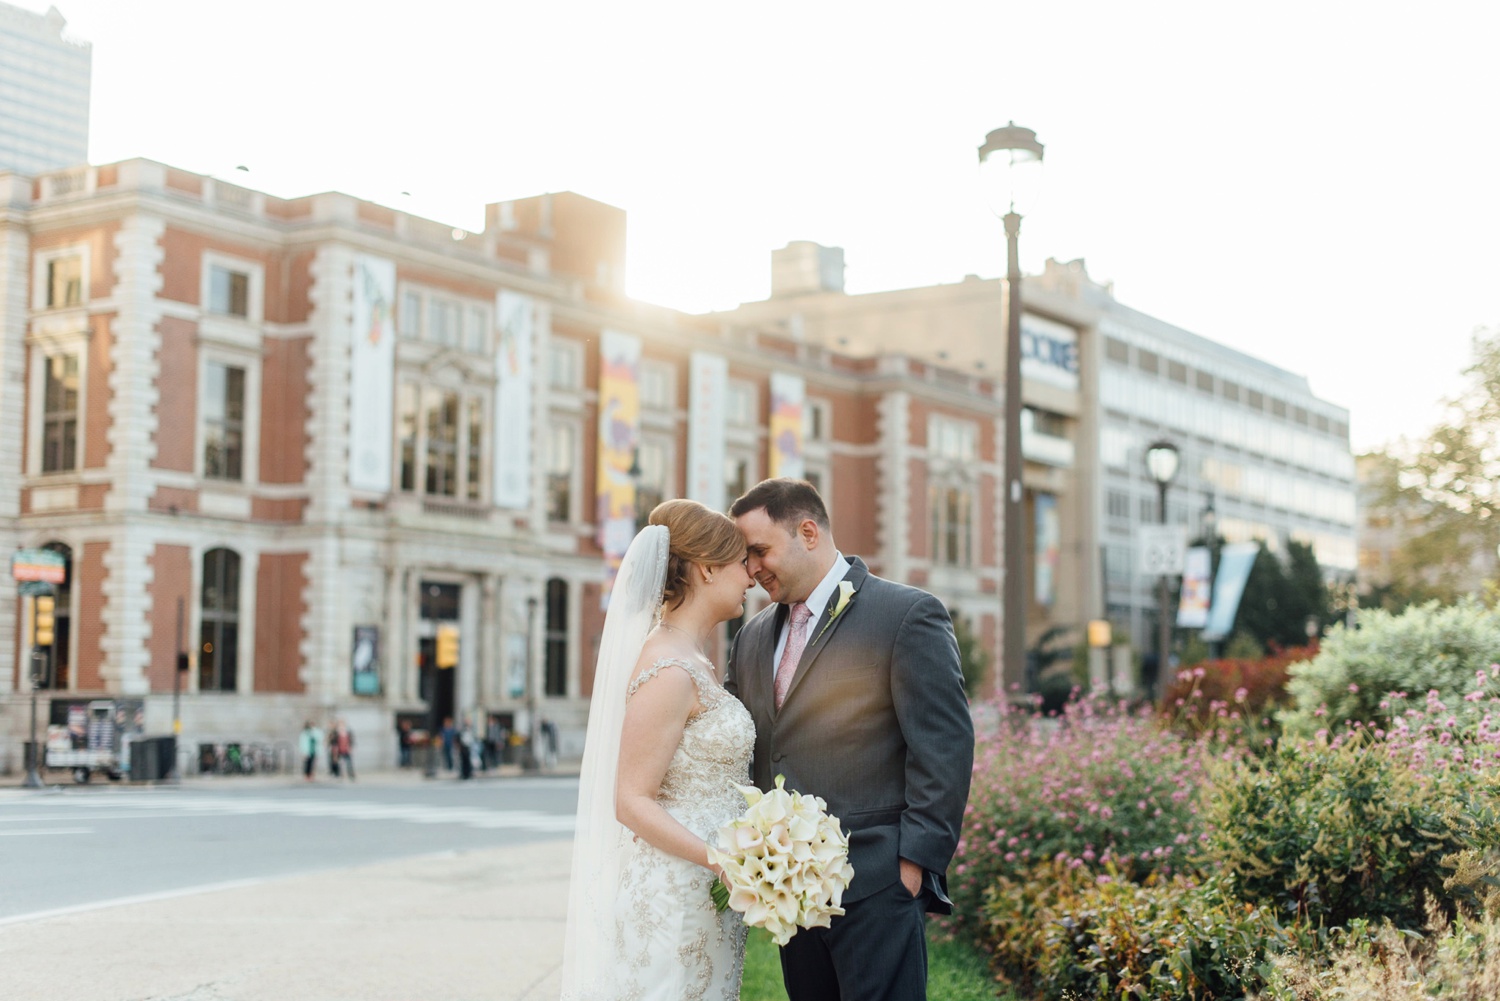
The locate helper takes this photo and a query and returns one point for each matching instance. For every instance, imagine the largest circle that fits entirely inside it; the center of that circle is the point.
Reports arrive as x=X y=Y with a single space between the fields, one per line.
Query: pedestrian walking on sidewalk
x=333 y=749
x=344 y=747
x=307 y=742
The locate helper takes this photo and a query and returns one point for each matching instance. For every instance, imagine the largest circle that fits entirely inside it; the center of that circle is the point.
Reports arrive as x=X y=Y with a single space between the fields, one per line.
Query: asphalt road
x=76 y=848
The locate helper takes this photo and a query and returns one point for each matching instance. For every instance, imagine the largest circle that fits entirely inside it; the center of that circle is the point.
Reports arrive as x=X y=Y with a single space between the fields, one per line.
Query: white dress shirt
x=816 y=602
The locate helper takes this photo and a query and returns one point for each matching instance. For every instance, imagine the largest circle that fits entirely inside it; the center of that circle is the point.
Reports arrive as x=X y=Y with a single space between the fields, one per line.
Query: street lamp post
x=1211 y=540
x=1161 y=463
x=530 y=761
x=1017 y=155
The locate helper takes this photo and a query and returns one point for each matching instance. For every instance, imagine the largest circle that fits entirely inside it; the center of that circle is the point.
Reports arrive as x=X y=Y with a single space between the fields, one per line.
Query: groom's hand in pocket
x=911 y=877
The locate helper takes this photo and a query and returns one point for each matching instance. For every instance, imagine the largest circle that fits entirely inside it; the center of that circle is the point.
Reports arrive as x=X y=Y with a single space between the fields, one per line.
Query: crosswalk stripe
x=146 y=806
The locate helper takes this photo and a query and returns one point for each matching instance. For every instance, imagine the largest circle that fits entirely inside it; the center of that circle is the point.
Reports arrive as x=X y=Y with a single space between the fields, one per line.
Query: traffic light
x=446 y=654
x=45 y=605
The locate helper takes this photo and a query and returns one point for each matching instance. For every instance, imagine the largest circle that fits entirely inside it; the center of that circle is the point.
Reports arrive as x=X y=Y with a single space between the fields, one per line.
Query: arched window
x=219 y=618
x=557 y=638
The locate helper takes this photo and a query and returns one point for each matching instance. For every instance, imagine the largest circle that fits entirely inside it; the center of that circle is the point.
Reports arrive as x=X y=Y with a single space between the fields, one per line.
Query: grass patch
x=955 y=972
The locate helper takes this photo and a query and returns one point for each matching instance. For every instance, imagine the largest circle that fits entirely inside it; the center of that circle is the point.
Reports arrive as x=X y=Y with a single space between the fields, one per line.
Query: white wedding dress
x=641 y=924
x=671 y=942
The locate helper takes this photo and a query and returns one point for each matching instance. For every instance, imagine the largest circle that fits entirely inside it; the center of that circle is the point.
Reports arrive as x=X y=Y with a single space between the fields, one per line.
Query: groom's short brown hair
x=786 y=501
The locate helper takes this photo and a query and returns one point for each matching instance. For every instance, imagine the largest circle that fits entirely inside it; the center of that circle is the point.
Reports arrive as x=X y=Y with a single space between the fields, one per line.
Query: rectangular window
x=1204 y=381
x=228 y=291
x=1177 y=371
x=65 y=281
x=1278 y=407
x=60 y=415
x=477 y=330
x=1231 y=390
x=556 y=681
x=409 y=319
x=223 y=421
x=654 y=475
x=440 y=421
x=406 y=427
x=474 y=451
x=1147 y=360
x=957 y=441
x=561 y=448
x=657 y=385
x=950 y=525
x=562 y=365
x=815 y=424
x=736 y=476
x=1116 y=350
x=442 y=321
x=740 y=409
x=1117 y=504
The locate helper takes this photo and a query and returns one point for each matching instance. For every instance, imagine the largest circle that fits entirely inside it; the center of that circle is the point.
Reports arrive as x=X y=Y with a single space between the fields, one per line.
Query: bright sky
x=1313 y=183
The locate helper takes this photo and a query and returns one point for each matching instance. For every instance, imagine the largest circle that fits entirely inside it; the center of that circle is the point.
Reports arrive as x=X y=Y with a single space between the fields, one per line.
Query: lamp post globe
x=1012 y=156
x=1162 y=460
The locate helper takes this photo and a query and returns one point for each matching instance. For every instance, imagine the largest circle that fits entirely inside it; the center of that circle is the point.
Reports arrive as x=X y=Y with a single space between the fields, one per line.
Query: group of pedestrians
x=338 y=742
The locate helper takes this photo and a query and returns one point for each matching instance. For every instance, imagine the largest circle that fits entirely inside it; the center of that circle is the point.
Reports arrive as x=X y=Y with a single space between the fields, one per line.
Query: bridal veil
x=599 y=839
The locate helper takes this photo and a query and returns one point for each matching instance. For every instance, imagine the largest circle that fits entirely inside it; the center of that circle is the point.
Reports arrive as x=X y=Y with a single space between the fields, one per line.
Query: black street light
x=1161 y=462
x=1014 y=154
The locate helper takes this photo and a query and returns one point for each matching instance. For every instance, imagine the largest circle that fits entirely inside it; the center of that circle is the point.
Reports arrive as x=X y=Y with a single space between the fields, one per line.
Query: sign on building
x=1160 y=549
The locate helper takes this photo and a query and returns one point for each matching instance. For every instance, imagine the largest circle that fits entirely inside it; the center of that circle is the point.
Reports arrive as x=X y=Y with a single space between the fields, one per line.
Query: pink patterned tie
x=796 y=642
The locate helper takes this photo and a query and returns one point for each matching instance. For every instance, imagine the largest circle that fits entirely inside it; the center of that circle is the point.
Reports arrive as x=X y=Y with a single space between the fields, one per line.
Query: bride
x=665 y=747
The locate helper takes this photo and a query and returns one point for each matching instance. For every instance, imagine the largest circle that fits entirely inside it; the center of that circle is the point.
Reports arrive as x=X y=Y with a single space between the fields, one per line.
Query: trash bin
x=151 y=758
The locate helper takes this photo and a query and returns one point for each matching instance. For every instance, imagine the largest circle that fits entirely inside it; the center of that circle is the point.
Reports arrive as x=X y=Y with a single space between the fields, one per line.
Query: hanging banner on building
x=1049 y=352
x=515 y=316
x=364 y=659
x=708 y=386
x=372 y=374
x=619 y=437
x=788 y=397
x=1235 y=561
x=1048 y=549
x=1192 y=610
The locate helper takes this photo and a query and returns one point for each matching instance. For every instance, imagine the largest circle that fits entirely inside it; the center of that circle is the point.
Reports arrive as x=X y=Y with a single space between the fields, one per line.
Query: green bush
x=1426 y=648
x=1327 y=833
x=1068 y=932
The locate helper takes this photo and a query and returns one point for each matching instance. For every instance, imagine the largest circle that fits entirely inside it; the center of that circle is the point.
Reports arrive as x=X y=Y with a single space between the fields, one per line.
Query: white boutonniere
x=846 y=595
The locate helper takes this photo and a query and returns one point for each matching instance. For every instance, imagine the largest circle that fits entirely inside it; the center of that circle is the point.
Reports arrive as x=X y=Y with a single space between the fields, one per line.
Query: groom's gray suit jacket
x=875 y=722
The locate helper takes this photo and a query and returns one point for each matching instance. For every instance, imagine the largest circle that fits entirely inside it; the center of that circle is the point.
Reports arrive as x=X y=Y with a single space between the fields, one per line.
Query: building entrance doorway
x=437 y=685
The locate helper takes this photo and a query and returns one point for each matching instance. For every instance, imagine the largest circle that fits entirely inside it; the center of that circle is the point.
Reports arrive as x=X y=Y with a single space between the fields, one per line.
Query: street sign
x=1160 y=549
x=38 y=565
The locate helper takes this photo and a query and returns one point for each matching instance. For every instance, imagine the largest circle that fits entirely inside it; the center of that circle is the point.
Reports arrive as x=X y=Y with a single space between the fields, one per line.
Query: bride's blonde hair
x=700 y=535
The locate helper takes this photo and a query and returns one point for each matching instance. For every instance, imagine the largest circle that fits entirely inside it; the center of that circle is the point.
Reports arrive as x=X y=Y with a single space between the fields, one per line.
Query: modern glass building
x=1258 y=448
x=44 y=92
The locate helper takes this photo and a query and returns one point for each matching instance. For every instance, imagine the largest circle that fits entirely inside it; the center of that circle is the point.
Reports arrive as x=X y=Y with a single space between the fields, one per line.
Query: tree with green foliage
x=973 y=659
x=1446 y=495
x=1278 y=600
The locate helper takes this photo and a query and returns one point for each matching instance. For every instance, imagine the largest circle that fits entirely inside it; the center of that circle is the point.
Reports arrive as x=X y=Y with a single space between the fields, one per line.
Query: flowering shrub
x=1074 y=933
x=1328 y=832
x=1236 y=695
x=1094 y=785
x=1426 y=648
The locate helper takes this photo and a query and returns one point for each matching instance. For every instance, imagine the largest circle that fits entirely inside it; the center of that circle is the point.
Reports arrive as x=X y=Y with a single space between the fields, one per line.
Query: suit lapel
x=827 y=625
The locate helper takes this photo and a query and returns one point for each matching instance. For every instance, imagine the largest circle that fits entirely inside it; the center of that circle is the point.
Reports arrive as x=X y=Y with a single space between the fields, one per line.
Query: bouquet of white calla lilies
x=786 y=860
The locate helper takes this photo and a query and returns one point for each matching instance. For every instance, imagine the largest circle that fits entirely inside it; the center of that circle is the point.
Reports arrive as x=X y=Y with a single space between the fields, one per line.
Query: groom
x=855 y=687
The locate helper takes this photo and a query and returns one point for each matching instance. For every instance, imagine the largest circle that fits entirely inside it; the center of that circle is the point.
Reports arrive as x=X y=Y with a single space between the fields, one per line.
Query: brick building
x=307 y=439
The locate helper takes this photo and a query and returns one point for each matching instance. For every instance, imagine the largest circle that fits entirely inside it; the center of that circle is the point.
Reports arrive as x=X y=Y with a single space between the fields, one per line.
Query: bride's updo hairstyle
x=698 y=535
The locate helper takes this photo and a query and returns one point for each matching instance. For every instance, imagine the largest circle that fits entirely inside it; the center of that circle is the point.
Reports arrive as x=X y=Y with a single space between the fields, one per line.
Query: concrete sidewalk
x=476 y=926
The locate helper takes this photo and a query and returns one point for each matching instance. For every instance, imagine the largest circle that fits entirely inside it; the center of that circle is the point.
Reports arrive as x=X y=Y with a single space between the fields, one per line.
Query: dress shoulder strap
x=655 y=669
x=709 y=693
